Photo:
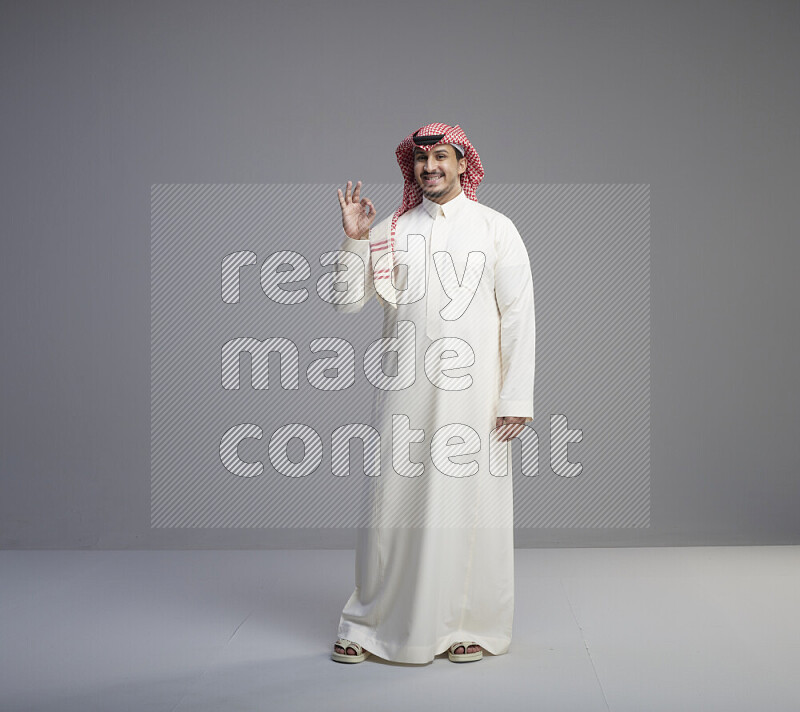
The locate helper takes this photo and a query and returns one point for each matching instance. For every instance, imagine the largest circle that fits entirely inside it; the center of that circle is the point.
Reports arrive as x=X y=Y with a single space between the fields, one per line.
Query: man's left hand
x=508 y=427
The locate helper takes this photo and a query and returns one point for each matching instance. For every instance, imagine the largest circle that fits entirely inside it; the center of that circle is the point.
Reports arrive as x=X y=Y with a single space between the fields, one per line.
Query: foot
x=470 y=649
x=350 y=651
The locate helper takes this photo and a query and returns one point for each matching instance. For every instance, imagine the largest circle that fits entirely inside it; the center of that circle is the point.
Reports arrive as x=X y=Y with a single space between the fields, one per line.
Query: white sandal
x=360 y=655
x=464 y=657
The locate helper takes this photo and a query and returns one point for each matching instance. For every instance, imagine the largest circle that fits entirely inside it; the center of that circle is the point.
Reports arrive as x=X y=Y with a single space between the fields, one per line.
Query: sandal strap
x=345 y=643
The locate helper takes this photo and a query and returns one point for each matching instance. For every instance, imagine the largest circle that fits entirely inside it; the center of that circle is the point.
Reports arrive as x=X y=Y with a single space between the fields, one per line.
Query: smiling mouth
x=432 y=179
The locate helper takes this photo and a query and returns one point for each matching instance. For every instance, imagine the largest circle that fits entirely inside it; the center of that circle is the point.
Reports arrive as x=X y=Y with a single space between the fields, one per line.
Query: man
x=435 y=568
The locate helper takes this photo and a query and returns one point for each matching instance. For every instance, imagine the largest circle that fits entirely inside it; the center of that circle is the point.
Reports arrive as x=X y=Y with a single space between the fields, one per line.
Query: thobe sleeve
x=360 y=248
x=514 y=295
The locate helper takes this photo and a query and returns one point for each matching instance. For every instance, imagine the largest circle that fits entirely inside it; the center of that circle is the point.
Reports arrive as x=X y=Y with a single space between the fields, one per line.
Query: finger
x=369 y=202
x=348 y=193
x=357 y=192
x=501 y=429
x=514 y=430
x=341 y=197
x=508 y=432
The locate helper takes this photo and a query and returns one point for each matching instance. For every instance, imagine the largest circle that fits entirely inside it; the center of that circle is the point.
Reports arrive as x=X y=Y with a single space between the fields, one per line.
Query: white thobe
x=435 y=565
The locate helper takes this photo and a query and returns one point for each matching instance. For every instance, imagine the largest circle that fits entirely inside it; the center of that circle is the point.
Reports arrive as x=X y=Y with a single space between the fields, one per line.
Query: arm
x=359 y=266
x=358 y=214
x=514 y=295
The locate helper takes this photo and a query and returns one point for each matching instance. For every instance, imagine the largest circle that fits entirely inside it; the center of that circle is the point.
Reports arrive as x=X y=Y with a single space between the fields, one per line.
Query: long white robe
x=435 y=564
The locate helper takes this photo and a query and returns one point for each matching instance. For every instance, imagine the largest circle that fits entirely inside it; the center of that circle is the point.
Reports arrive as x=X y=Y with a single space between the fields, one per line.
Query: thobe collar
x=451 y=207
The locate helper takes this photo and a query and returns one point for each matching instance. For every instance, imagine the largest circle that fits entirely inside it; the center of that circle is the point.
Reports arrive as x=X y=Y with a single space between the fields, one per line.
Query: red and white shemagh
x=382 y=246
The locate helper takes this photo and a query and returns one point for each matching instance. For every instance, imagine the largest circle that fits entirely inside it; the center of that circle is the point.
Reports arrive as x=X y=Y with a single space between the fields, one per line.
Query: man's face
x=437 y=172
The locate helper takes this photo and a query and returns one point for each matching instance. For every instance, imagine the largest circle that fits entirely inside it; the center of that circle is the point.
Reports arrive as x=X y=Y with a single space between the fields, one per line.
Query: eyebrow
x=435 y=150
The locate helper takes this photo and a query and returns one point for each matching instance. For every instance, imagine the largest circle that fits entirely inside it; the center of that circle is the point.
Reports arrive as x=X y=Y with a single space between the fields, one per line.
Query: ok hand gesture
x=358 y=213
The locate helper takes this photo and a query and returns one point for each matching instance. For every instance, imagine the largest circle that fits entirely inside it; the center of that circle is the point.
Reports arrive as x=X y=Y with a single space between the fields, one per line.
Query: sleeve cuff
x=515 y=408
x=360 y=247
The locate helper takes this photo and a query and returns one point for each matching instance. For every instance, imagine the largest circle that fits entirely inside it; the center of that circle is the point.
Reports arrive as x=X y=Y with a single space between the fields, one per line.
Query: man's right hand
x=358 y=213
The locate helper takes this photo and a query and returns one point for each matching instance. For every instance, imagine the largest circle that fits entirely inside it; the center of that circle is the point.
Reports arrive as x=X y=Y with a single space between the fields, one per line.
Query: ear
x=462 y=165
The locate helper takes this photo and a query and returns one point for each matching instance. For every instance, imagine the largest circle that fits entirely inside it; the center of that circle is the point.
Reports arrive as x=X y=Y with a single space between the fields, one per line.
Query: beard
x=431 y=194
x=438 y=192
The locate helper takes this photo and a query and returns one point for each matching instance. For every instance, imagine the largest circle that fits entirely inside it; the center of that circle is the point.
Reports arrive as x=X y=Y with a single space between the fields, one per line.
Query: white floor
x=639 y=630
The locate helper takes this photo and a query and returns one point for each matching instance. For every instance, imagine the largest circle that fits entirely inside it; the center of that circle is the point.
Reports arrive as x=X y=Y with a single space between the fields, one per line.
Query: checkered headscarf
x=426 y=138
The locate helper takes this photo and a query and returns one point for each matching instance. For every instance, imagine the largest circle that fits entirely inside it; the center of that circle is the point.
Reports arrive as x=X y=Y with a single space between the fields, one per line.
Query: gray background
x=102 y=100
